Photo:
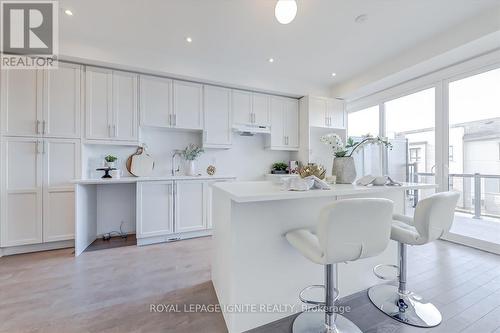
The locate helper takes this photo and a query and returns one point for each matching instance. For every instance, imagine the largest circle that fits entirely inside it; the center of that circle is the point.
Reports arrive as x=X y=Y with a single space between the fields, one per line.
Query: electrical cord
x=120 y=233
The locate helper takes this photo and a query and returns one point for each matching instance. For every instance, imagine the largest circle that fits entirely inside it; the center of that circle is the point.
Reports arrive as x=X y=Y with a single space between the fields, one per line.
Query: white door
x=217 y=117
x=189 y=206
x=154 y=209
x=335 y=110
x=317 y=112
x=277 y=122
x=156 y=99
x=61 y=164
x=61 y=105
x=187 y=105
x=260 y=109
x=98 y=103
x=21 y=209
x=21 y=102
x=242 y=107
x=292 y=123
x=125 y=122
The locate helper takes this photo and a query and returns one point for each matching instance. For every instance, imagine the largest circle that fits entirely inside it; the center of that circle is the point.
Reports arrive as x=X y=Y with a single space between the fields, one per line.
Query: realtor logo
x=29 y=36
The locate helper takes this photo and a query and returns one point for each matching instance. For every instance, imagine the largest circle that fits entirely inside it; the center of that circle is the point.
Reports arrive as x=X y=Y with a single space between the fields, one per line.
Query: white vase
x=110 y=164
x=344 y=169
x=190 y=168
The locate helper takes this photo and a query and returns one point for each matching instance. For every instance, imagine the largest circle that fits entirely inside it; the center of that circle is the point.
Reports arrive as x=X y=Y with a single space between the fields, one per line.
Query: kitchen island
x=256 y=274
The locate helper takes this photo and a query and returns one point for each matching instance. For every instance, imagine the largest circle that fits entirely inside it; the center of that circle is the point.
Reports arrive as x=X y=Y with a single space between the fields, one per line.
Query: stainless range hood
x=250 y=130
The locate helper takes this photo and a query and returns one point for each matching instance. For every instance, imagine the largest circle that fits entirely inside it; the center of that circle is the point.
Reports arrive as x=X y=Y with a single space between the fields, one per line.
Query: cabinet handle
x=109 y=130
x=43 y=147
x=37 y=150
x=37 y=126
x=43 y=127
x=114 y=130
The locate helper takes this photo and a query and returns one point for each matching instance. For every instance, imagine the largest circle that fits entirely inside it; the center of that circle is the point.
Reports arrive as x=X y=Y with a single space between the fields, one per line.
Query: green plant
x=110 y=158
x=280 y=166
x=191 y=152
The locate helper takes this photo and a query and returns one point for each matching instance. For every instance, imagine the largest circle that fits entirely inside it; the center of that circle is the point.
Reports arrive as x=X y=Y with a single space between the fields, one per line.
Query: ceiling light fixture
x=189 y=39
x=361 y=18
x=271 y=60
x=285 y=11
x=334 y=74
x=68 y=12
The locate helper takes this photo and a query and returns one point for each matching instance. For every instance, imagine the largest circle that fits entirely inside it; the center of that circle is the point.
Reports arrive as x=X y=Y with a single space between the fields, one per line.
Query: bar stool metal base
x=407 y=308
x=314 y=322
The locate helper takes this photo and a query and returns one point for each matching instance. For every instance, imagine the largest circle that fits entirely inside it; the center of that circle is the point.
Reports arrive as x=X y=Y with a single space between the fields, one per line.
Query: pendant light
x=285 y=11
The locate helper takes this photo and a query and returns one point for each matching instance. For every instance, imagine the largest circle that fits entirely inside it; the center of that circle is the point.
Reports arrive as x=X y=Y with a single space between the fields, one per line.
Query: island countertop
x=254 y=191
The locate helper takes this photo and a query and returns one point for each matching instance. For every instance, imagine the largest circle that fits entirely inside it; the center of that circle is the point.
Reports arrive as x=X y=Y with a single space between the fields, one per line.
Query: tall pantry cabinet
x=40 y=154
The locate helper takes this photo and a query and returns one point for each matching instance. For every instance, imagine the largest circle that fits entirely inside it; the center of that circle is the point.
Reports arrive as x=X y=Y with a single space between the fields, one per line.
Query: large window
x=363 y=122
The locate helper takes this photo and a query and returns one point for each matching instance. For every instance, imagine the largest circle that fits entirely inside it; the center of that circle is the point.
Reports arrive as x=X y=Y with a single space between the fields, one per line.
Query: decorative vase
x=190 y=168
x=110 y=165
x=344 y=169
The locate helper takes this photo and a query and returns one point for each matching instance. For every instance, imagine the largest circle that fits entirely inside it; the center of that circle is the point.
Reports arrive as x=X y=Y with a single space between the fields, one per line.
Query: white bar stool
x=348 y=230
x=433 y=217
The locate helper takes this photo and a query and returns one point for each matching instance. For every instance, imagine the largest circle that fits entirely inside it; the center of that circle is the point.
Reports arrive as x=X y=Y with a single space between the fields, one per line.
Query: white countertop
x=267 y=191
x=128 y=180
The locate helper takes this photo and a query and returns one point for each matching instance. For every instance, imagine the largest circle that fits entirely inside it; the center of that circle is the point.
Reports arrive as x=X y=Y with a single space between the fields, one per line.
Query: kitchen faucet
x=176 y=153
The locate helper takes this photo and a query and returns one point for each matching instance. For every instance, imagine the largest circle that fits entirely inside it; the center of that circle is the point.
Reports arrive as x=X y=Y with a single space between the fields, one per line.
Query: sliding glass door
x=474 y=157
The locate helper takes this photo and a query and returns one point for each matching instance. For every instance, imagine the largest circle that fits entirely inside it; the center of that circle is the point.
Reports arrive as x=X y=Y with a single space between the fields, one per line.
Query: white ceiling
x=232 y=39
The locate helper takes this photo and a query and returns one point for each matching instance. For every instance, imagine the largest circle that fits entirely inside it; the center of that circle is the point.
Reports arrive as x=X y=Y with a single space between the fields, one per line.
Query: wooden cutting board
x=140 y=164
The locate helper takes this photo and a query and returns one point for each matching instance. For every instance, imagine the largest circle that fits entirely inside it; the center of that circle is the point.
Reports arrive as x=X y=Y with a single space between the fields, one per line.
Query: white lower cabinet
x=155 y=206
x=38 y=200
x=173 y=208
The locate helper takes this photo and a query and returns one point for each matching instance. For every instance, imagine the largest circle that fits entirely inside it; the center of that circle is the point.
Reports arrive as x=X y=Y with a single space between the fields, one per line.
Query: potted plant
x=110 y=161
x=343 y=162
x=190 y=154
x=279 y=168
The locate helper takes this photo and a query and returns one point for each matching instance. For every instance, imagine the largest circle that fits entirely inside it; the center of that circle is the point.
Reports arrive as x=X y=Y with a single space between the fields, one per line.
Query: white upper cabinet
x=111 y=105
x=21 y=102
x=189 y=206
x=325 y=112
x=61 y=102
x=284 y=124
x=125 y=115
x=250 y=108
x=187 y=111
x=242 y=107
x=98 y=103
x=260 y=108
x=156 y=101
x=217 y=117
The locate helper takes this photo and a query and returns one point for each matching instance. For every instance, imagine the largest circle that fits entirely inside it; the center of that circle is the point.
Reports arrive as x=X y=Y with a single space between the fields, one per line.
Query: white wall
x=247 y=159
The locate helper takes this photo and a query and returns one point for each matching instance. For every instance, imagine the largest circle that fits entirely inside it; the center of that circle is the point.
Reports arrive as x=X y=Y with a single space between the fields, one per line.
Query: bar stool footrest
x=322 y=304
x=384 y=277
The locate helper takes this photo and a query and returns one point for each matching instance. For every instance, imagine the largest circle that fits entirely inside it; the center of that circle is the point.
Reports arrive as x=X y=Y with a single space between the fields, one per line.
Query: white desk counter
x=253 y=264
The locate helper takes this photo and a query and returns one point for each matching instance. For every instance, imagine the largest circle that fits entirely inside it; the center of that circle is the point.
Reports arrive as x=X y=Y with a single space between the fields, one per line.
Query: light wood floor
x=111 y=290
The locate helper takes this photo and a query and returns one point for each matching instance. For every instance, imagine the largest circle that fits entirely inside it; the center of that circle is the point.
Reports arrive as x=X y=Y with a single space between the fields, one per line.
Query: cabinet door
x=335 y=109
x=187 y=105
x=154 y=209
x=21 y=192
x=61 y=164
x=241 y=107
x=61 y=107
x=125 y=122
x=277 y=122
x=291 y=109
x=260 y=108
x=217 y=118
x=98 y=103
x=156 y=101
x=21 y=102
x=318 y=116
x=189 y=206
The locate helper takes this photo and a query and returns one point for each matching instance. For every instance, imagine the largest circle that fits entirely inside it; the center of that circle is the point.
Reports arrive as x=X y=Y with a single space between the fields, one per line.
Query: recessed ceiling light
x=334 y=74
x=189 y=39
x=361 y=18
x=68 y=12
x=270 y=60
x=285 y=11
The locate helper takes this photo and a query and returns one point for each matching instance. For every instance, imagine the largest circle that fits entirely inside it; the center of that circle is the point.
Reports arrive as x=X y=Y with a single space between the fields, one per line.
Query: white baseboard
x=7 y=251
